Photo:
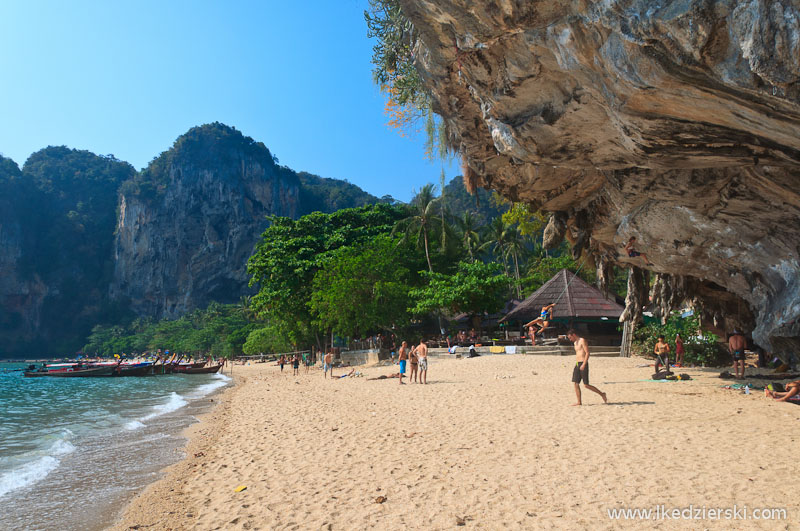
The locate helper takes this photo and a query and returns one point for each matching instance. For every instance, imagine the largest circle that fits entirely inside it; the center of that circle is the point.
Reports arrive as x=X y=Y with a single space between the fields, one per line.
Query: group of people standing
x=295 y=361
x=417 y=357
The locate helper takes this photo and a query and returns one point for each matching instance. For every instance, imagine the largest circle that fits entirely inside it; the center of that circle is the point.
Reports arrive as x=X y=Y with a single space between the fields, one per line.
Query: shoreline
x=491 y=442
x=199 y=436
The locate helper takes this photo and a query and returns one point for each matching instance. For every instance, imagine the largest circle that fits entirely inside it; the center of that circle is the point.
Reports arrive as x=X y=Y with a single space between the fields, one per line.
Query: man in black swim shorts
x=581 y=369
x=736 y=345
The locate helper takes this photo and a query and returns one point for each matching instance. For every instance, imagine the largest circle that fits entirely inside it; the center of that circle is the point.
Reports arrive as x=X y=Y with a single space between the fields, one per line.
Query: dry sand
x=492 y=441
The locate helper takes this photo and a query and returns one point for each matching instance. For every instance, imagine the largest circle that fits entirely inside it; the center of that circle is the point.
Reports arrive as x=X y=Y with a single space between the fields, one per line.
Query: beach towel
x=496 y=349
x=511 y=349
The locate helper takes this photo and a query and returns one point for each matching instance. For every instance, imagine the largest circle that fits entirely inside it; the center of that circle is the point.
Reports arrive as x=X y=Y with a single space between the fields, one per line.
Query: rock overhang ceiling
x=677 y=122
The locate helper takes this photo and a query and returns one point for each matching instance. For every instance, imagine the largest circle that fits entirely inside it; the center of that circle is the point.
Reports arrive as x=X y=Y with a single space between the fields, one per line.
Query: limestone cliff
x=21 y=291
x=189 y=222
x=677 y=122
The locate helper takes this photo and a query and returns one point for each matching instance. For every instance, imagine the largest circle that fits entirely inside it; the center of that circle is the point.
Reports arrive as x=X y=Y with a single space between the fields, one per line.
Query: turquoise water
x=74 y=450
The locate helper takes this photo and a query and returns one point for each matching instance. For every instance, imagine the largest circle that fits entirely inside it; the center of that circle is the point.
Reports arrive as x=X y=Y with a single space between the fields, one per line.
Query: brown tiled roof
x=578 y=300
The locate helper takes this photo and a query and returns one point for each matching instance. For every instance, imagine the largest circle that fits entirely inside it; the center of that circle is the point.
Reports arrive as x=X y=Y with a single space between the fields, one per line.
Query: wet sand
x=491 y=442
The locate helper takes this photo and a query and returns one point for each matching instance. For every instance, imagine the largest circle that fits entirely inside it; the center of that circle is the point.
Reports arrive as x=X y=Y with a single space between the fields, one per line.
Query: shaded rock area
x=21 y=292
x=676 y=122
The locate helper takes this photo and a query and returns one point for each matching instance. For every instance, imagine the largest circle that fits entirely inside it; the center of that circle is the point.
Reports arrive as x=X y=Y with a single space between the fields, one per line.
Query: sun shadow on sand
x=635 y=403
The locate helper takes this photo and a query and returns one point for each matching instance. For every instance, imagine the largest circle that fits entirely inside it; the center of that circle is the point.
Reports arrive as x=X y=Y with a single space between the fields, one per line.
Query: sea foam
x=174 y=403
x=33 y=471
x=220 y=380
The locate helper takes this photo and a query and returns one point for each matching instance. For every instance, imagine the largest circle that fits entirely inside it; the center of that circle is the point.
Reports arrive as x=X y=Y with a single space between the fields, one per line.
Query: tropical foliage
x=219 y=330
x=701 y=347
x=474 y=288
x=291 y=252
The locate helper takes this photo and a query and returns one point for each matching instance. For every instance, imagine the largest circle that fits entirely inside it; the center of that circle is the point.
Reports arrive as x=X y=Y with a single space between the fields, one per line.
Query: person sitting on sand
x=792 y=389
x=661 y=351
x=543 y=321
x=403 y=357
x=581 y=369
x=462 y=338
x=532 y=333
x=327 y=364
x=414 y=362
x=736 y=346
x=633 y=253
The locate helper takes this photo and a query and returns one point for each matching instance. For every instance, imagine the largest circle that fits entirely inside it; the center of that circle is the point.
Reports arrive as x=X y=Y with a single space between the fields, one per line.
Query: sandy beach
x=491 y=442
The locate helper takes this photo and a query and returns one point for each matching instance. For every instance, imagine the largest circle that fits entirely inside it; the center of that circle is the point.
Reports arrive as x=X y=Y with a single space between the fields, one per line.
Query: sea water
x=73 y=451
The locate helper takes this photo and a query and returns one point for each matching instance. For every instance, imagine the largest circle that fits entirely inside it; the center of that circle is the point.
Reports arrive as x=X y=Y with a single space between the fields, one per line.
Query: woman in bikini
x=414 y=362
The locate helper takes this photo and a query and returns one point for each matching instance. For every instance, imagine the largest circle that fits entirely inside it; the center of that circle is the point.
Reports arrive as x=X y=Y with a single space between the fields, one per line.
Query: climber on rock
x=633 y=253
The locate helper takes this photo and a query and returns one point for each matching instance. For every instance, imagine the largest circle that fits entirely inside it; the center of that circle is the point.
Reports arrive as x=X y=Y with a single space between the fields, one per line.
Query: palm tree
x=245 y=307
x=498 y=235
x=470 y=235
x=515 y=247
x=419 y=224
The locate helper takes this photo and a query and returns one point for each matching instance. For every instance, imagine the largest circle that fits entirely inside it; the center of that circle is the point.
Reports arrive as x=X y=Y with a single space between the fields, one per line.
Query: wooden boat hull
x=144 y=370
x=91 y=372
x=199 y=370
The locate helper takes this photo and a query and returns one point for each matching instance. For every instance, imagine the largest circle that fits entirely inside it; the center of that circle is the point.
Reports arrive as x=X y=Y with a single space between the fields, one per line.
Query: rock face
x=187 y=241
x=676 y=122
x=21 y=292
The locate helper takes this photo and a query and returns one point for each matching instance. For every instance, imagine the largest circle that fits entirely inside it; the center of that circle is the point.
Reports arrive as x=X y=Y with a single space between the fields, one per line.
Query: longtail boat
x=210 y=369
x=73 y=372
x=134 y=369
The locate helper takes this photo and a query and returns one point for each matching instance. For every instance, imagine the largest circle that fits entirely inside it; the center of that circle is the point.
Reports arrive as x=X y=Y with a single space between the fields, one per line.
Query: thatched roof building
x=574 y=298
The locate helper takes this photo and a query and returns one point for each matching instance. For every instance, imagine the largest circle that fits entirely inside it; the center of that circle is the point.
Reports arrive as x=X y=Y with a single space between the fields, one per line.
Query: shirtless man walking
x=403 y=357
x=581 y=370
x=422 y=354
x=327 y=364
x=736 y=346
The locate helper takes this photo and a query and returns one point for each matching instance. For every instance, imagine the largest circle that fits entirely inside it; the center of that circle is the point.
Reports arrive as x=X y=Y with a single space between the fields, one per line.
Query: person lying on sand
x=386 y=377
x=792 y=389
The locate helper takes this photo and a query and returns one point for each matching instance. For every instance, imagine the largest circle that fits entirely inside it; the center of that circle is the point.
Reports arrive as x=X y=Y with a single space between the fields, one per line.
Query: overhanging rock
x=675 y=122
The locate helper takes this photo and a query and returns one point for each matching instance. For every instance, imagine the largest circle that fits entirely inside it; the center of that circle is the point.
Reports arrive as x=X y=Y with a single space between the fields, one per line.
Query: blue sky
x=128 y=77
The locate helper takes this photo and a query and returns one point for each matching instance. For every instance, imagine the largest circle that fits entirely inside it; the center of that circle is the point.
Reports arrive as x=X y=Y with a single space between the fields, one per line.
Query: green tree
x=514 y=247
x=269 y=339
x=292 y=251
x=417 y=227
x=362 y=289
x=701 y=347
x=498 y=237
x=474 y=288
x=471 y=237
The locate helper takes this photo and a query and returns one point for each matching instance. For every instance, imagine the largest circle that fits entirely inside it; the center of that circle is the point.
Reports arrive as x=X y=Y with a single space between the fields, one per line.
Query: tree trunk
x=427 y=254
